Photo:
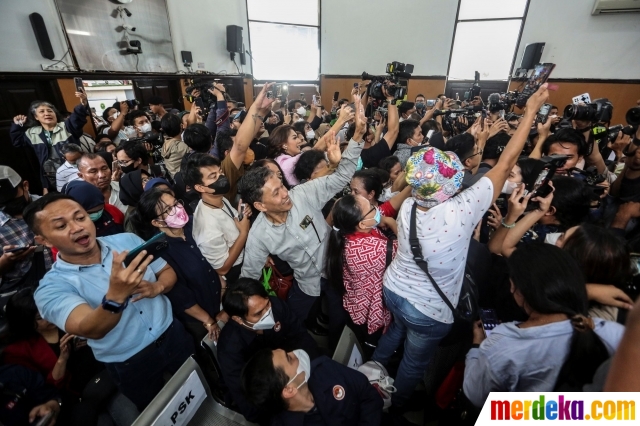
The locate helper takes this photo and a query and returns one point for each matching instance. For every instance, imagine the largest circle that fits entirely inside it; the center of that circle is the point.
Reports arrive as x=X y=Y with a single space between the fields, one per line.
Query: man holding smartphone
x=121 y=311
x=17 y=246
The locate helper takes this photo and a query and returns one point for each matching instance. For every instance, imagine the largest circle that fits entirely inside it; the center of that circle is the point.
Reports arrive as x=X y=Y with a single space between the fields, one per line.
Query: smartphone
x=78 y=82
x=313 y=99
x=431 y=102
x=200 y=104
x=269 y=94
x=543 y=113
x=489 y=320
x=635 y=263
x=302 y=96
x=153 y=246
x=483 y=115
x=540 y=75
x=356 y=86
x=241 y=211
x=17 y=249
x=336 y=95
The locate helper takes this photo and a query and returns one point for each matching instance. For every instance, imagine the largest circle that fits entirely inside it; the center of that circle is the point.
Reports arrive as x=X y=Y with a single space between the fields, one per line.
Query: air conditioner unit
x=615 y=6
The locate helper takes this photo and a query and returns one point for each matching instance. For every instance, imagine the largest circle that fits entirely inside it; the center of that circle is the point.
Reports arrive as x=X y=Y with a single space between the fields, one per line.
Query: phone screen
x=336 y=95
x=540 y=75
x=541 y=177
x=153 y=246
x=489 y=320
x=431 y=102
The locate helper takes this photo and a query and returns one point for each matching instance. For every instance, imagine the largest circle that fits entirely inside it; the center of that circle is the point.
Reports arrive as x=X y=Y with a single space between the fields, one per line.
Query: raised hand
x=124 y=281
x=333 y=149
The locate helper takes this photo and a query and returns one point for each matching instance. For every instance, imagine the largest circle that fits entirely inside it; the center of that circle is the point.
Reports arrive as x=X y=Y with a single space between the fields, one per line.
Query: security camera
x=129 y=28
x=127 y=12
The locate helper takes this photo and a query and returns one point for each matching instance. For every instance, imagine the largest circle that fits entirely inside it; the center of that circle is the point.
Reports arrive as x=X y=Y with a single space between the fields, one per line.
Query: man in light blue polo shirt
x=88 y=292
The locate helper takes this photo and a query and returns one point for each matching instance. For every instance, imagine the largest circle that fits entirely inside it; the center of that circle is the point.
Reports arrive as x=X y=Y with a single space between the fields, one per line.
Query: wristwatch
x=113 y=307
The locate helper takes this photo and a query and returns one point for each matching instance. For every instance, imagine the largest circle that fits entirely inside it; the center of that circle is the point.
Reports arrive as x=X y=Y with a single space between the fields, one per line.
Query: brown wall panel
x=429 y=88
x=68 y=89
x=248 y=92
x=622 y=95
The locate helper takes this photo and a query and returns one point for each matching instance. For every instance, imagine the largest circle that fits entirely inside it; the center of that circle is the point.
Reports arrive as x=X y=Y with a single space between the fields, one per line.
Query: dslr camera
x=396 y=71
x=132 y=103
x=599 y=111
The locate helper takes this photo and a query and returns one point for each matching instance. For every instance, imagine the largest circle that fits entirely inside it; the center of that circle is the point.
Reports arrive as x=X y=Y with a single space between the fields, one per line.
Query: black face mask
x=16 y=206
x=221 y=186
x=128 y=169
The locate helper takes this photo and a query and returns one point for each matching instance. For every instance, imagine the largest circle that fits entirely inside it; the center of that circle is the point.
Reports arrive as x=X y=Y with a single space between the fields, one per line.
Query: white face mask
x=304 y=366
x=299 y=120
x=145 y=128
x=311 y=135
x=115 y=115
x=301 y=111
x=130 y=132
x=509 y=187
x=266 y=322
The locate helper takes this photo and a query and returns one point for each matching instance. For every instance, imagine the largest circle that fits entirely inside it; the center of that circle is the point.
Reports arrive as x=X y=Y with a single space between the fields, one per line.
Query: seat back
x=349 y=352
x=186 y=400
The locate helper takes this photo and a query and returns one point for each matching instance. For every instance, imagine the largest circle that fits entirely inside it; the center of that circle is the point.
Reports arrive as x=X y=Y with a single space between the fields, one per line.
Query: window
x=284 y=25
x=486 y=36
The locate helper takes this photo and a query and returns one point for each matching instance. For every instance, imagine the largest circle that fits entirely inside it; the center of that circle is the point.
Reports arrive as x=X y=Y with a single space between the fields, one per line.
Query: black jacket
x=343 y=397
x=237 y=344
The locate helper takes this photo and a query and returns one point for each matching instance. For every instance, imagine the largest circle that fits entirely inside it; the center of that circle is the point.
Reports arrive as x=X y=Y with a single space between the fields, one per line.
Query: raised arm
x=249 y=126
x=516 y=233
x=544 y=131
x=118 y=123
x=78 y=118
x=500 y=172
x=345 y=114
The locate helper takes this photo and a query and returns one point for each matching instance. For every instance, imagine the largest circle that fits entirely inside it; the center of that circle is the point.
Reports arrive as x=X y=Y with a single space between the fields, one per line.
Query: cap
x=182 y=114
x=434 y=175
x=87 y=195
x=9 y=181
x=152 y=183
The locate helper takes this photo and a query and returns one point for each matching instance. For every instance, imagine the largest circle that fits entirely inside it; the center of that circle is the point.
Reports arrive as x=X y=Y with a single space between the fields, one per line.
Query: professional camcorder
x=502 y=101
x=396 y=71
x=474 y=90
x=599 y=111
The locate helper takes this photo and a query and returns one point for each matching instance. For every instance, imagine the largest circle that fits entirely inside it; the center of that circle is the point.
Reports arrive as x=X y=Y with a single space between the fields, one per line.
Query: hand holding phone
x=241 y=206
x=489 y=320
x=153 y=247
x=17 y=249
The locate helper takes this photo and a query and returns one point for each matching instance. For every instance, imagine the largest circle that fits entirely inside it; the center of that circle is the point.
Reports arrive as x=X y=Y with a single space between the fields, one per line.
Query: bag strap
x=414 y=243
x=389 y=252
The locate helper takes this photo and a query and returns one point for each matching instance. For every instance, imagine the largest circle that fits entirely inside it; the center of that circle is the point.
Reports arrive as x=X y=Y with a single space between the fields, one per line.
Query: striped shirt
x=65 y=174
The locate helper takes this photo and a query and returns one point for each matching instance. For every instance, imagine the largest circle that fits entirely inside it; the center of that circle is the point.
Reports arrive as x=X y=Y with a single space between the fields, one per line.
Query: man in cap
x=17 y=246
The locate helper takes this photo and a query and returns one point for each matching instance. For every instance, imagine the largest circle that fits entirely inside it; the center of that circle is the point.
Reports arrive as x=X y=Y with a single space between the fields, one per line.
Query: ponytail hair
x=138 y=221
x=551 y=282
x=346 y=216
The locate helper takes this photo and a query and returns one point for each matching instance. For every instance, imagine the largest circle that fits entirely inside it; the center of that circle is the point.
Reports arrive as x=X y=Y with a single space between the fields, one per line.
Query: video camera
x=592 y=178
x=599 y=111
x=501 y=101
x=474 y=90
x=207 y=97
x=396 y=71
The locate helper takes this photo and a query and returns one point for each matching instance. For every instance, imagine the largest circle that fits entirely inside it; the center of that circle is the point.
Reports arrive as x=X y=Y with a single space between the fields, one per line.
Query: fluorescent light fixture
x=78 y=32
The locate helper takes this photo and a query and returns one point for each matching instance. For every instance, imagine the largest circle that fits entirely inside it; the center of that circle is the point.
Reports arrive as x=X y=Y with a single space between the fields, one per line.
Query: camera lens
x=633 y=116
x=579 y=112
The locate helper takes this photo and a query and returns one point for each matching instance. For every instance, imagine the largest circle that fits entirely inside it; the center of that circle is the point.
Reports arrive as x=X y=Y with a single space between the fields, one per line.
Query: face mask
x=128 y=169
x=509 y=187
x=420 y=105
x=221 y=186
x=16 y=206
x=266 y=322
x=377 y=218
x=95 y=216
x=311 y=135
x=299 y=120
x=114 y=116
x=178 y=217
x=146 y=128
x=304 y=366
x=359 y=165
x=301 y=111
x=130 y=132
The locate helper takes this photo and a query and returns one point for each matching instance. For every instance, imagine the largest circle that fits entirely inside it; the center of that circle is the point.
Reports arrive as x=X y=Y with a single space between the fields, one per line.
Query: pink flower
x=428 y=156
x=446 y=171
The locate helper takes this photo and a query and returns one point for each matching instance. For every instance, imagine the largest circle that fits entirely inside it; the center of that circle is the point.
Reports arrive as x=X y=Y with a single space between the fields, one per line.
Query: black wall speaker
x=531 y=55
x=234 y=38
x=42 y=36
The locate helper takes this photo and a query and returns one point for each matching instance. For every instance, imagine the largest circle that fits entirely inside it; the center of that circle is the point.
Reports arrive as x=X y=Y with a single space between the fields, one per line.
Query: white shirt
x=444 y=232
x=65 y=174
x=114 y=198
x=215 y=231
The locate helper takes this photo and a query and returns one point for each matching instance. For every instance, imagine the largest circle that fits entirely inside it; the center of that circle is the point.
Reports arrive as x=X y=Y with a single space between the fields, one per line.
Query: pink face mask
x=177 y=218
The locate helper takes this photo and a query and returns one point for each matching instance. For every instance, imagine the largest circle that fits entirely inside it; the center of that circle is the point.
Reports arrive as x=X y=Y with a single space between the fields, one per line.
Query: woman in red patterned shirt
x=369 y=183
x=357 y=257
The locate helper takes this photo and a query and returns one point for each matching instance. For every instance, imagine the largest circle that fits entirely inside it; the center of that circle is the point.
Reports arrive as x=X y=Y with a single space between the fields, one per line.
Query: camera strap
x=414 y=243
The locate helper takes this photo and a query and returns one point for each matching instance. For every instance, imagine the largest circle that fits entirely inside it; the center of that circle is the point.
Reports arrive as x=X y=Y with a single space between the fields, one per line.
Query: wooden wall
x=623 y=95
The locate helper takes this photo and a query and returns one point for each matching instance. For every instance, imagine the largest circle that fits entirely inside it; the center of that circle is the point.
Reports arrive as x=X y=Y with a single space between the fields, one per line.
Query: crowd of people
x=436 y=239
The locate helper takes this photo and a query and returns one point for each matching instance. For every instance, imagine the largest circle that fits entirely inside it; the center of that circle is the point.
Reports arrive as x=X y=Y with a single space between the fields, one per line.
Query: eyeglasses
x=373 y=208
x=124 y=163
x=480 y=151
x=171 y=210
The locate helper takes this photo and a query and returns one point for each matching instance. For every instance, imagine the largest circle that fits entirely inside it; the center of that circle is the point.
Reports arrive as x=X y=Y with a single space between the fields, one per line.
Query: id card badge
x=584 y=98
